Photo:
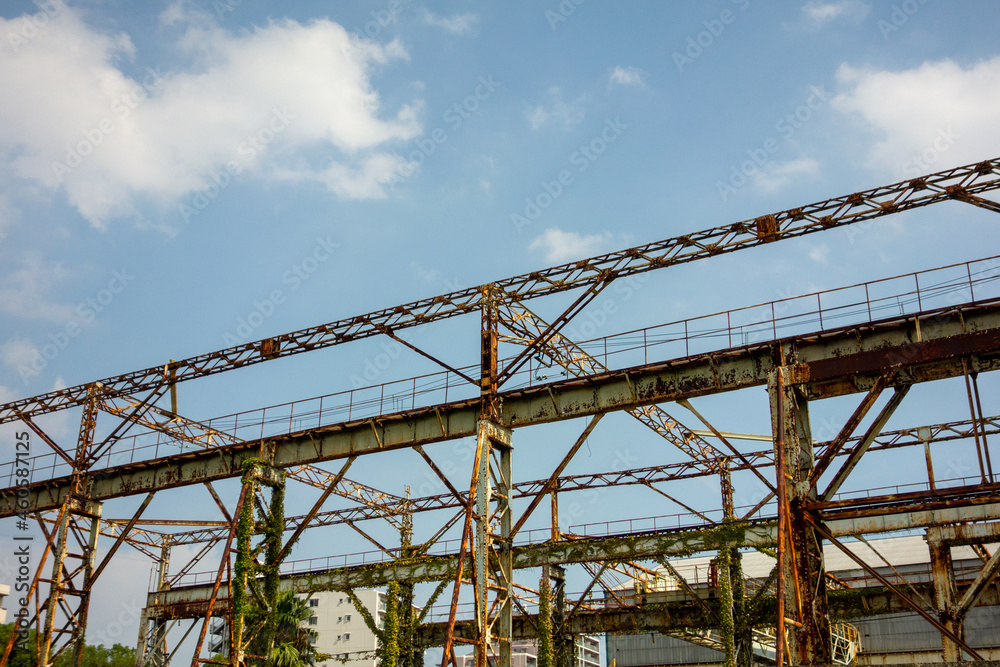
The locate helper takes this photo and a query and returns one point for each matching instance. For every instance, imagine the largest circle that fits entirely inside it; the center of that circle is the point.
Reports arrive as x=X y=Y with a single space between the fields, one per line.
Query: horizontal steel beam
x=960 y=183
x=929 y=351
x=670 y=617
x=632 y=547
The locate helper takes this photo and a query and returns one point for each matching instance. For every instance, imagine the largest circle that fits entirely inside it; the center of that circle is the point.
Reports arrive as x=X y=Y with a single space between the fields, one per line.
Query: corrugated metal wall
x=910 y=632
x=638 y=650
x=899 y=633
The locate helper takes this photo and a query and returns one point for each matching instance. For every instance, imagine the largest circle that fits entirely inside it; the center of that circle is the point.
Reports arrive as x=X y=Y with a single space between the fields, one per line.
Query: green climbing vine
x=727 y=625
x=546 y=655
x=246 y=568
x=387 y=654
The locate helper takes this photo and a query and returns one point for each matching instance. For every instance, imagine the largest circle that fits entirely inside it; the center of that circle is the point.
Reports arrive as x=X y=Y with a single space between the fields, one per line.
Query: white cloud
x=933 y=117
x=17 y=353
x=558 y=112
x=820 y=254
x=775 y=175
x=159 y=137
x=558 y=246
x=23 y=291
x=8 y=214
x=817 y=13
x=626 y=76
x=459 y=24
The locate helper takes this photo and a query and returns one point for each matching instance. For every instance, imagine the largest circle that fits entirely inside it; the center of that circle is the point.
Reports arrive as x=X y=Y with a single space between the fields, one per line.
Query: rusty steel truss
x=951 y=332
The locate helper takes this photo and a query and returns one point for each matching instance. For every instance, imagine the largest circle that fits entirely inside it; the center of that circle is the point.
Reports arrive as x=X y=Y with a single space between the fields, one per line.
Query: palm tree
x=290 y=646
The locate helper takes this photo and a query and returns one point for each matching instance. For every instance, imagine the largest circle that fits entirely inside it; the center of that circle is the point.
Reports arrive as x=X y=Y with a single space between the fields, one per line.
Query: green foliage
x=387 y=654
x=290 y=644
x=546 y=655
x=18 y=657
x=93 y=656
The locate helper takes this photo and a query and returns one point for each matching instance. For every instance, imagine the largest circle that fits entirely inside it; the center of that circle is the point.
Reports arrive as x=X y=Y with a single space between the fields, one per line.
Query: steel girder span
x=880 y=357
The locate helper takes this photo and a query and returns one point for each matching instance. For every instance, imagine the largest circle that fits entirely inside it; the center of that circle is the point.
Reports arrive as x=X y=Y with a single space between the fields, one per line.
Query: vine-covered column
x=257 y=472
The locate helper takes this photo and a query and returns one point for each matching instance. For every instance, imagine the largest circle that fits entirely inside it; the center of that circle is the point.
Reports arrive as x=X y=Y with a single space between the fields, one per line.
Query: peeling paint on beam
x=578 y=397
x=621 y=547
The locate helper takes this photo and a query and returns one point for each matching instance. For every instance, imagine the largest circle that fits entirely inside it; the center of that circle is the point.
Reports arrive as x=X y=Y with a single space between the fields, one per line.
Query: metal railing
x=945 y=287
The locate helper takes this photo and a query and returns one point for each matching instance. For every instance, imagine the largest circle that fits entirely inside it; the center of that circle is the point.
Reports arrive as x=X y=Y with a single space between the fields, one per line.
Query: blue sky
x=180 y=176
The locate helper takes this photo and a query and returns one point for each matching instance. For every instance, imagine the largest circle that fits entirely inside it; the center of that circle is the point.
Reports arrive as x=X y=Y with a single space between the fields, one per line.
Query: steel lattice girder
x=960 y=184
x=684 y=615
x=832 y=363
x=183 y=602
x=907 y=437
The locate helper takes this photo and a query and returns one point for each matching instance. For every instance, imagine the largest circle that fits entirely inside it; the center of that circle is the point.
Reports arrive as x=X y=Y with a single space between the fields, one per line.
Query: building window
x=313 y=602
x=312 y=639
x=347 y=618
x=347 y=636
x=313 y=620
x=340 y=619
x=339 y=637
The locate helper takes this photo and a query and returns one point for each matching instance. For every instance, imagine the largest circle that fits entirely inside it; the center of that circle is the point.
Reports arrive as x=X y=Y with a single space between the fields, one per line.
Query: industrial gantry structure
x=873 y=340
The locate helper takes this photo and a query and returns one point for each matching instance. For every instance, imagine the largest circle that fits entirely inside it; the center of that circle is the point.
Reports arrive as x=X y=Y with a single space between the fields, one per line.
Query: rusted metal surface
x=614 y=390
x=870 y=356
x=970 y=181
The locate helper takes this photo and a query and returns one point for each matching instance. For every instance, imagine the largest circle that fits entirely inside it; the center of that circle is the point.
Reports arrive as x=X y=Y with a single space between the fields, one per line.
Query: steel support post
x=152 y=648
x=493 y=556
x=943 y=579
x=563 y=640
x=805 y=618
x=72 y=570
x=494 y=565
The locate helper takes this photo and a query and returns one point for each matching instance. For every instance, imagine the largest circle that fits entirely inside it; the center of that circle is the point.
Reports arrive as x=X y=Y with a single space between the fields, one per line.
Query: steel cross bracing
x=528 y=327
x=846 y=514
x=960 y=184
x=794 y=374
x=143 y=534
x=202 y=435
x=964 y=329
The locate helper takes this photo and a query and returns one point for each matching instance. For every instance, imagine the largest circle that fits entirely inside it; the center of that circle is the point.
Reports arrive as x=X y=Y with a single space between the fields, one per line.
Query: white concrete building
x=524 y=653
x=4 y=592
x=341 y=629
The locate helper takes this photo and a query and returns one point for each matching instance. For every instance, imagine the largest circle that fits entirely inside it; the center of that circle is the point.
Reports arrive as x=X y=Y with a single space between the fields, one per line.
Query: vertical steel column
x=493 y=556
x=804 y=590
x=482 y=544
x=563 y=642
x=72 y=582
x=93 y=513
x=943 y=578
x=151 y=649
x=504 y=576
